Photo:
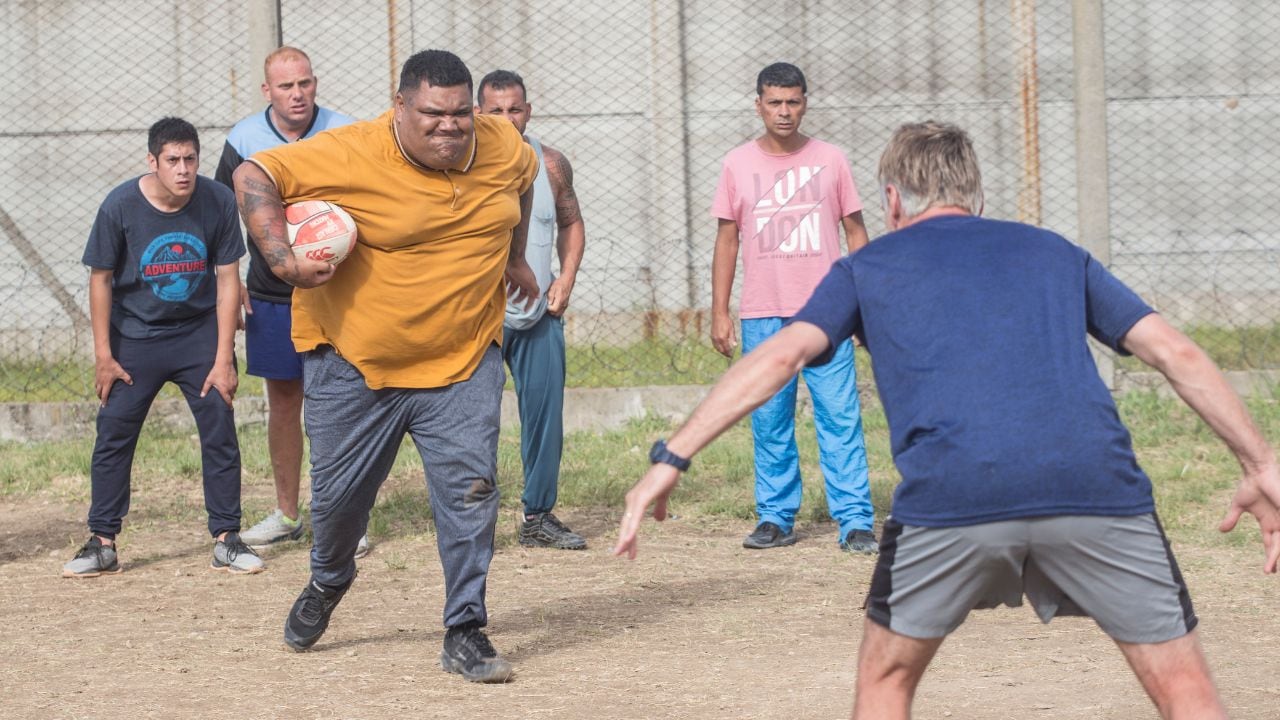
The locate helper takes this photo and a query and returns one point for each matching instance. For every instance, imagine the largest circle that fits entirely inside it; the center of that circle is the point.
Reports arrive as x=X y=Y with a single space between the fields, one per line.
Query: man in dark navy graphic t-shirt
x=163 y=296
x=1018 y=476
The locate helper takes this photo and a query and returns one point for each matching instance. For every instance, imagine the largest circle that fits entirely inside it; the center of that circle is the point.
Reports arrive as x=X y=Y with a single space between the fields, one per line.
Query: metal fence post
x=669 y=269
x=1093 y=209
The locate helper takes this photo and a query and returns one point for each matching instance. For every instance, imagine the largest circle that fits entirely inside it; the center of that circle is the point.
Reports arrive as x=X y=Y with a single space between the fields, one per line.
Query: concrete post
x=1093 y=209
x=264 y=31
x=668 y=271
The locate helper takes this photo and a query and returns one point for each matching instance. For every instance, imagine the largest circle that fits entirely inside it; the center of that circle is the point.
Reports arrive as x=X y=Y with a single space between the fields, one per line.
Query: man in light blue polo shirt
x=290 y=116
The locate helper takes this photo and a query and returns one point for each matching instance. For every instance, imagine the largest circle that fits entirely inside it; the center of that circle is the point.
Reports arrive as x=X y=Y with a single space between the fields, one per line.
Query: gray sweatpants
x=355 y=433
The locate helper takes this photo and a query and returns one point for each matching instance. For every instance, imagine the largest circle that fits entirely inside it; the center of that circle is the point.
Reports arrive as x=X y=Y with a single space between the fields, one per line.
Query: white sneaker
x=231 y=555
x=363 y=547
x=272 y=529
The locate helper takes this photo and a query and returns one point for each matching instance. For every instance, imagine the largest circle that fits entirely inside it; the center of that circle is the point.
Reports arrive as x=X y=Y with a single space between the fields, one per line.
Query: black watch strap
x=660 y=454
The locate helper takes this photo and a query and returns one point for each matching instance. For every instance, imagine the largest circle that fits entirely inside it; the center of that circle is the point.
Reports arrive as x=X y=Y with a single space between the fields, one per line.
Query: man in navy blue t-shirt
x=1017 y=475
x=164 y=254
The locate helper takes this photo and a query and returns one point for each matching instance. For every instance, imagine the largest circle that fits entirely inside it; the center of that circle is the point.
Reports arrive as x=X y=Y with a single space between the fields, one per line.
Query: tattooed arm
x=263 y=214
x=571 y=238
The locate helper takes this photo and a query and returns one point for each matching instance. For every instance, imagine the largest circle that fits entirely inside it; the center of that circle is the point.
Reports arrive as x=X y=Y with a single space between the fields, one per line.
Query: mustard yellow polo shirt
x=421 y=297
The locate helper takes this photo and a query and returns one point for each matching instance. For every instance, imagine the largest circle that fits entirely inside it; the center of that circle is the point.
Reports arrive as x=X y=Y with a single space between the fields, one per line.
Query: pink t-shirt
x=788 y=210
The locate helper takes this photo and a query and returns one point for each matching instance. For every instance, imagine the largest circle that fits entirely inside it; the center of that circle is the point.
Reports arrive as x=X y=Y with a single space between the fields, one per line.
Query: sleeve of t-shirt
x=850 y=202
x=227 y=165
x=106 y=238
x=722 y=203
x=230 y=245
x=833 y=307
x=1111 y=308
x=310 y=170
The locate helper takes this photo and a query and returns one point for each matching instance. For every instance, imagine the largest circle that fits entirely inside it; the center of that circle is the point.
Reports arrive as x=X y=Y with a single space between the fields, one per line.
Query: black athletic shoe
x=546 y=530
x=468 y=652
x=309 y=617
x=768 y=535
x=862 y=542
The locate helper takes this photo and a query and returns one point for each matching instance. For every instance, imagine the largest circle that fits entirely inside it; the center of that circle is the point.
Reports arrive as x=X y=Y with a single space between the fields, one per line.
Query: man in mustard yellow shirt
x=404 y=336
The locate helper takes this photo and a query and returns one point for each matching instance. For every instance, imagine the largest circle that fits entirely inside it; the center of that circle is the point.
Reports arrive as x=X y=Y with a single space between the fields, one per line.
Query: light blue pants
x=536 y=358
x=837 y=415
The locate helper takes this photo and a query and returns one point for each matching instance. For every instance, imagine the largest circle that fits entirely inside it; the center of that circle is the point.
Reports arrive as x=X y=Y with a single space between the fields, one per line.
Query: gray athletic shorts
x=1117 y=570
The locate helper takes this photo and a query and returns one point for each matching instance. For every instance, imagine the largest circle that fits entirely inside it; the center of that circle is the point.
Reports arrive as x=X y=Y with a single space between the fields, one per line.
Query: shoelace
x=95 y=549
x=236 y=548
x=481 y=641
x=553 y=521
x=313 y=606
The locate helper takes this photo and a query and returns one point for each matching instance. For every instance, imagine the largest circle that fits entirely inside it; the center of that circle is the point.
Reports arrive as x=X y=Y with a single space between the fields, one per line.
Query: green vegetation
x=1191 y=470
x=1233 y=348
x=650 y=362
x=72 y=381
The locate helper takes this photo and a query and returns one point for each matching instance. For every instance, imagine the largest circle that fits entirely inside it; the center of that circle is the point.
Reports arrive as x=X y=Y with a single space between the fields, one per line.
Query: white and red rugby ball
x=320 y=230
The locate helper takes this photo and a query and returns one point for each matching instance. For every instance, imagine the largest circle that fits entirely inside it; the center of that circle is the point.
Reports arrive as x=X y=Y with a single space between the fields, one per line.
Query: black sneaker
x=768 y=535
x=862 y=542
x=546 y=530
x=309 y=617
x=468 y=652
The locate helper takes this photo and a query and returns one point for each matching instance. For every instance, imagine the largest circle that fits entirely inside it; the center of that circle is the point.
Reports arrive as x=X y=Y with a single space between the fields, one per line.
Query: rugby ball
x=320 y=230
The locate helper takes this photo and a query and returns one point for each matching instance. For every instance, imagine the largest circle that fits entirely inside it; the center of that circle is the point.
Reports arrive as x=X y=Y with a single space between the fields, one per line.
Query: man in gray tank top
x=533 y=337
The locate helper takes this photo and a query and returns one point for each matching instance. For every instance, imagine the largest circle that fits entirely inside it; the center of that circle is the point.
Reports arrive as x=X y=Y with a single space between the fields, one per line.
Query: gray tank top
x=539 y=248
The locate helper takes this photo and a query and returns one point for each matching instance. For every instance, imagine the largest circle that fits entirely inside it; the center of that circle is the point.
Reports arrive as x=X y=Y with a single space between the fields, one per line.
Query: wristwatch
x=660 y=454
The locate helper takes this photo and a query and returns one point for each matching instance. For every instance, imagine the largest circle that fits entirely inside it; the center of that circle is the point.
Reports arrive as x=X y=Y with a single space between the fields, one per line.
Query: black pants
x=185 y=358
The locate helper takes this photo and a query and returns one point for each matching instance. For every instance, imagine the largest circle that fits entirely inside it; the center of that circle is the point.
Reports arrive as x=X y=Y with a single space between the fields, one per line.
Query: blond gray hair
x=932 y=164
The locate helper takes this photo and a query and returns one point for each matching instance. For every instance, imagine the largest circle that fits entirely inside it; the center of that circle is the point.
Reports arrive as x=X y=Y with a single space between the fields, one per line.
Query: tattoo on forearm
x=560 y=173
x=261 y=209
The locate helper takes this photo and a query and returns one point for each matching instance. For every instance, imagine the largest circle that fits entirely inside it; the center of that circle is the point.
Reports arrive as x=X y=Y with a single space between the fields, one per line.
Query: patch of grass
x=1191 y=471
x=1232 y=348
x=72 y=381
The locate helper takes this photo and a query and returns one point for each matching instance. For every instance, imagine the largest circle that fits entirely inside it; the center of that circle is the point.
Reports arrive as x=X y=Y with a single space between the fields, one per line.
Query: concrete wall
x=646 y=97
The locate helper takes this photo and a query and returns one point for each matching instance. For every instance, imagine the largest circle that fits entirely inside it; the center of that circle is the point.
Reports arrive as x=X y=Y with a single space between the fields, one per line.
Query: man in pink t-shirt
x=783 y=198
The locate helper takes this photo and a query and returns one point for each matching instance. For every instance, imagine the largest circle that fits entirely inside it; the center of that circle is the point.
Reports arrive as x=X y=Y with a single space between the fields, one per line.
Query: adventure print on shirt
x=788 y=212
x=173 y=266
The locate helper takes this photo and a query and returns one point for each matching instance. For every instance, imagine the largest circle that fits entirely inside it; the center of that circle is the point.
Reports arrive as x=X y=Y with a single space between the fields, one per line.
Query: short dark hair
x=437 y=68
x=780 y=74
x=171 y=130
x=501 y=80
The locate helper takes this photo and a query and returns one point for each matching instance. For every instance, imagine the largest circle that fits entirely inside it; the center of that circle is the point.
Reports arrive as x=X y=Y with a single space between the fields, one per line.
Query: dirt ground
x=696 y=628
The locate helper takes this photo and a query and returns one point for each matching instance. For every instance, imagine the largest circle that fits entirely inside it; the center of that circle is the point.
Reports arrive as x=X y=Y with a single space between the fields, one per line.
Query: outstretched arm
x=1197 y=380
x=571 y=237
x=743 y=388
x=263 y=214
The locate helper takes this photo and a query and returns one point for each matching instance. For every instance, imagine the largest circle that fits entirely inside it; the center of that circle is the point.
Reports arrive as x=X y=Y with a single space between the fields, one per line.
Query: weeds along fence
x=1142 y=129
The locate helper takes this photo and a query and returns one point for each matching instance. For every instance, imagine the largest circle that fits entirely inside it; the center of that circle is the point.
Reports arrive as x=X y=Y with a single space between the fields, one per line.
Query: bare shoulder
x=559 y=170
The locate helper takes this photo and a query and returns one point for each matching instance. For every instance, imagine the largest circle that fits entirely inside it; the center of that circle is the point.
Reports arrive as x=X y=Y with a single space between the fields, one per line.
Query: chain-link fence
x=645 y=98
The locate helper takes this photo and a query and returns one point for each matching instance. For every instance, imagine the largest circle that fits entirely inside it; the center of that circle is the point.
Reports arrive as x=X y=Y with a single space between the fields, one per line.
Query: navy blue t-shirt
x=163 y=262
x=976 y=330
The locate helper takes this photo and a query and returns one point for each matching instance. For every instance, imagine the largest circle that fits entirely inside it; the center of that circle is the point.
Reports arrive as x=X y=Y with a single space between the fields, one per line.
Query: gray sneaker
x=860 y=542
x=231 y=555
x=363 y=547
x=92 y=560
x=272 y=529
x=546 y=530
